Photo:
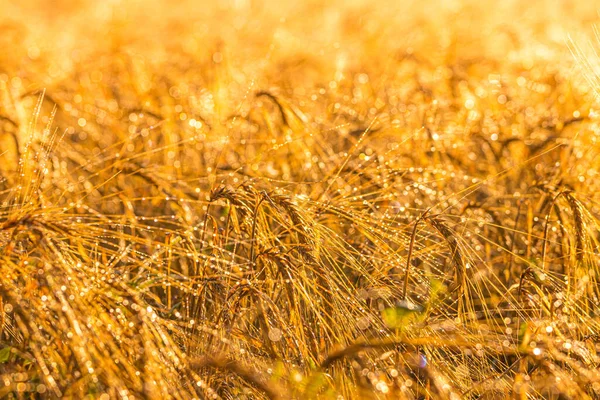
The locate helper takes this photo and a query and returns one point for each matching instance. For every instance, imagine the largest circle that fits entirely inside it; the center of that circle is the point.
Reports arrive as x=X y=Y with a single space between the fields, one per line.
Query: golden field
x=322 y=200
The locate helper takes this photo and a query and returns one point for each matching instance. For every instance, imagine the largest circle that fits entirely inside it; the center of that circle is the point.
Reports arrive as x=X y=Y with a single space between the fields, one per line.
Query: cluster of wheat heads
x=342 y=200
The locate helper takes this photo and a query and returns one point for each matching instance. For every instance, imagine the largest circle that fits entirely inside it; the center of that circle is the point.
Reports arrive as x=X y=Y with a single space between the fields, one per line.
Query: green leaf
x=225 y=211
x=437 y=289
x=524 y=335
x=5 y=355
x=316 y=383
x=401 y=315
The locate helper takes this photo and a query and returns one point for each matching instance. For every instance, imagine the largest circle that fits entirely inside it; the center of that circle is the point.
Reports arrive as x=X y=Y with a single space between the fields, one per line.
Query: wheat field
x=323 y=200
